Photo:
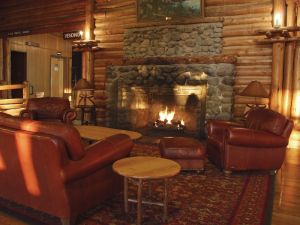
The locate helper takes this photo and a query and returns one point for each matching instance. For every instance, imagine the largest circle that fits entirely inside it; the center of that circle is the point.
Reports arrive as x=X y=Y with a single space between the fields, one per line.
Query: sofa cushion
x=67 y=133
x=266 y=120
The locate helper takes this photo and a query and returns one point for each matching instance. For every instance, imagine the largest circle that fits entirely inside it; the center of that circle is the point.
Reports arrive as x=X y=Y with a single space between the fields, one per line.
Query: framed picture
x=158 y=10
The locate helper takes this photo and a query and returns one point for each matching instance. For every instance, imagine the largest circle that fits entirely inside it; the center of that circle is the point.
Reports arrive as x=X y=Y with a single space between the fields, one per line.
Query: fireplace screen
x=179 y=108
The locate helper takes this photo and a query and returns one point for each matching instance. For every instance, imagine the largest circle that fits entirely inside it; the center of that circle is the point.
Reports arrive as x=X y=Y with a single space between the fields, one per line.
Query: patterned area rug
x=210 y=198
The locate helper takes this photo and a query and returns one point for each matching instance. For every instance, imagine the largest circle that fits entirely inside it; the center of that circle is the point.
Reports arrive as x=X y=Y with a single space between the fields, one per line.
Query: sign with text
x=72 y=35
x=18 y=33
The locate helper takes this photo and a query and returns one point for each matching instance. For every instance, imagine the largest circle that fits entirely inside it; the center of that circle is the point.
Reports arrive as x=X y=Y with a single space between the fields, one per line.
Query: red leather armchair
x=50 y=109
x=258 y=144
x=44 y=166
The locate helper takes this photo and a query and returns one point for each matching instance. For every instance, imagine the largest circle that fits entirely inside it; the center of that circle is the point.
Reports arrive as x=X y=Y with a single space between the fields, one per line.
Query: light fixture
x=255 y=89
x=86 y=44
x=277 y=20
x=85 y=93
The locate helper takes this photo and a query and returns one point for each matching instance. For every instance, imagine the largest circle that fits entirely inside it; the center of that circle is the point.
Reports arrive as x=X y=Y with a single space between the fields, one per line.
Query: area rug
x=209 y=198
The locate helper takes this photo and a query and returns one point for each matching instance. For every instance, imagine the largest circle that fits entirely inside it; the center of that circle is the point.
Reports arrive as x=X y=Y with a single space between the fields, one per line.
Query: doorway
x=18 y=71
x=58 y=73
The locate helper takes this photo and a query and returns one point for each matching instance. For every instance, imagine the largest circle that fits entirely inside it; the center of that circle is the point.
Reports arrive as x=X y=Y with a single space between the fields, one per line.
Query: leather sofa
x=49 y=109
x=257 y=144
x=45 y=166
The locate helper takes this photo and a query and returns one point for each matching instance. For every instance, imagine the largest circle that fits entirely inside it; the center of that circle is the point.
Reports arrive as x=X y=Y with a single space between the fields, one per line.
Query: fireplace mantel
x=203 y=59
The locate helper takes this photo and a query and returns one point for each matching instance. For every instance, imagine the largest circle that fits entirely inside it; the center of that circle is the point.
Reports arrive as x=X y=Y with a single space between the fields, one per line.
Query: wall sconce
x=86 y=44
x=277 y=20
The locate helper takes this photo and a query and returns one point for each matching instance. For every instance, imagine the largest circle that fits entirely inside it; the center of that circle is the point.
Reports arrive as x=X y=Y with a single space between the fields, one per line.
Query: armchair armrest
x=30 y=114
x=254 y=138
x=69 y=115
x=219 y=127
x=98 y=155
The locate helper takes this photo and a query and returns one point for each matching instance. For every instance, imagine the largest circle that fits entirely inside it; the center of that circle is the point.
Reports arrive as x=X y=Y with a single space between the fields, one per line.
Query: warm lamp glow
x=296 y=108
x=87 y=35
x=277 y=20
x=81 y=33
x=2 y=163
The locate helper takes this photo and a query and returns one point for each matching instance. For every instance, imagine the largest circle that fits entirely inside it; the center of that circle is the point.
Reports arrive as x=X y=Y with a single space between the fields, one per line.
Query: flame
x=182 y=122
x=165 y=115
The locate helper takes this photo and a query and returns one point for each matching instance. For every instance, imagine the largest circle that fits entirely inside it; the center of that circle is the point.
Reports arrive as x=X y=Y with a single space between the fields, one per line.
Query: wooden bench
x=13 y=106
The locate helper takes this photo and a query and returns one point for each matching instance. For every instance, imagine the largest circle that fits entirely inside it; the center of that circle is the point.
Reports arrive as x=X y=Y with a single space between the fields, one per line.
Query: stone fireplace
x=178 y=67
x=137 y=92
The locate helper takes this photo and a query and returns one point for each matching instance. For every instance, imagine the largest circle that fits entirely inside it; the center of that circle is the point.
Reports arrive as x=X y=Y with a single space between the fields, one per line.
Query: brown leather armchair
x=258 y=144
x=45 y=166
x=50 y=109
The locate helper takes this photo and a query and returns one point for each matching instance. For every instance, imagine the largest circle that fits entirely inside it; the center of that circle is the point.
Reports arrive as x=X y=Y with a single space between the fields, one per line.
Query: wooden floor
x=286 y=205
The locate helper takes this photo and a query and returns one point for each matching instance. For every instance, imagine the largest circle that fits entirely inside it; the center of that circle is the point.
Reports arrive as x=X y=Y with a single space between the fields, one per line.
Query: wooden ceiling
x=41 y=16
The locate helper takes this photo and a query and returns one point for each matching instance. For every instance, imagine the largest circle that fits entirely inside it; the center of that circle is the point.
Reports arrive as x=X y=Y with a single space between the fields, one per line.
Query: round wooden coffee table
x=145 y=168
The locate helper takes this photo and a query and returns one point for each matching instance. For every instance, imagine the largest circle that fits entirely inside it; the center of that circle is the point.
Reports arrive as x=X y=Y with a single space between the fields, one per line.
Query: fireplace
x=196 y=92
x=140 y=106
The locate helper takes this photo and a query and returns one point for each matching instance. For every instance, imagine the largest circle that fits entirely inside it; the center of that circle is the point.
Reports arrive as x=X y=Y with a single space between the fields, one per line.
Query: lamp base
x=252 y=107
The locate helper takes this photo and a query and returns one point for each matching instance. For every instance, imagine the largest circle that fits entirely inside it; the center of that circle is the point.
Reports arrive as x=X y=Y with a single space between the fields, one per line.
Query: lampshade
x=255 y=89
x=83 y=84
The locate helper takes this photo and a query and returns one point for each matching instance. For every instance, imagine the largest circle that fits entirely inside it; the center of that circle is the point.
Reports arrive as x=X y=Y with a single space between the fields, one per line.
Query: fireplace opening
x=165 y=108
x=167 y=122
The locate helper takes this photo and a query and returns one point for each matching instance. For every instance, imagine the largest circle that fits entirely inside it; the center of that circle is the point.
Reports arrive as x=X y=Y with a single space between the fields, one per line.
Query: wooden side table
x=145 y=168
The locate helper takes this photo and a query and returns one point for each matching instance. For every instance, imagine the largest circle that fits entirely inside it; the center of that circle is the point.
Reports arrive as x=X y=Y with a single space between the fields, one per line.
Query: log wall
x=41 y=16
x=241 y=19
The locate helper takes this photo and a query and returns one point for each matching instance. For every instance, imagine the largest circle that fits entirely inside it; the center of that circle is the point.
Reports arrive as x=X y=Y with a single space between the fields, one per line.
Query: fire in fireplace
x=166 y=121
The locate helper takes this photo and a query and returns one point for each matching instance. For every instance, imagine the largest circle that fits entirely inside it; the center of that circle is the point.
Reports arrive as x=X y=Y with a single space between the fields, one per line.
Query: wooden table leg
x=126 y=194
x=139 y=202
x=165 y=216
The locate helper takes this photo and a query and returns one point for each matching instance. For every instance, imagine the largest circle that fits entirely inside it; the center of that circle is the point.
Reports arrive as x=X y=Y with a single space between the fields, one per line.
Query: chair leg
x=227 y=172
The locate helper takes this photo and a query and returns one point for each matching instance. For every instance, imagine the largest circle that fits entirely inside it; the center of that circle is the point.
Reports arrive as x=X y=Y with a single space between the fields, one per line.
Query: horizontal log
x=254 y=60
x=181 y=60
x=245 y=80
x=228 y=2
x=248 y=19
x=11 y=87
x=176 y=22
x=114 y=4
x=243 y=30
x=248 y=51
x=11 y=106
x=240 y=9
x=12 y=101
x=240 y=41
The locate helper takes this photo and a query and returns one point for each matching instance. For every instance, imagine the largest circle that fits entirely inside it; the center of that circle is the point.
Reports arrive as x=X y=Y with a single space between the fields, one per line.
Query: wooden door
x=57 y=77
x=18 y=71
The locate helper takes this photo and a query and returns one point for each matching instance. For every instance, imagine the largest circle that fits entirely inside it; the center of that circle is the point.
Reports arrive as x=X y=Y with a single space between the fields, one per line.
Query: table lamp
x=255 y=89
x=85 y=93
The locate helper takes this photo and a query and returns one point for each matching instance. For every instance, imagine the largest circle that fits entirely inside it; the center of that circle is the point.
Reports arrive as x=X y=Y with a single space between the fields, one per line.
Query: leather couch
x=44 y=166
x=257 y=144
x=49 y=109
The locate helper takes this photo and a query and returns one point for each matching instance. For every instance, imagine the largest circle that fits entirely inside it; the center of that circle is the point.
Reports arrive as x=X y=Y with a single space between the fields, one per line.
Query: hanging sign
x=18 y=33
x=72 y=35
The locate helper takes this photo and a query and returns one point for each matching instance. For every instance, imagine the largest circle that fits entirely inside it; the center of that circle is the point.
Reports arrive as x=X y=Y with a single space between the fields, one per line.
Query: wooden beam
x=289 y=62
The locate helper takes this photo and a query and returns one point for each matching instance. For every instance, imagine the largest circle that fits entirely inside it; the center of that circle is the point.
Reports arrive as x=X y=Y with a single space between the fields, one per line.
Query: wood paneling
x=241 y=19
x=38 y=58
x=42 y=16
